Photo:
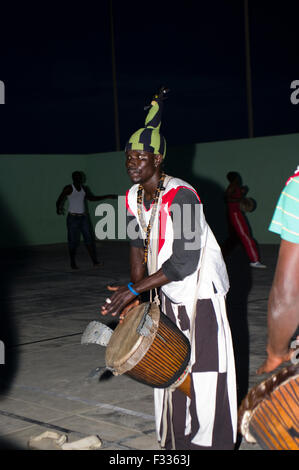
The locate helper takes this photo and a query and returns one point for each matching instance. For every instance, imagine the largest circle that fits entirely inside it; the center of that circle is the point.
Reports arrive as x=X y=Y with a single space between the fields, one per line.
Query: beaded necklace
x=147 y=228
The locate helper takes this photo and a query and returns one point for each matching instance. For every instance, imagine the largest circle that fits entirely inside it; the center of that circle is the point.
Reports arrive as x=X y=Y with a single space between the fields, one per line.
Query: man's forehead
x=140 y=152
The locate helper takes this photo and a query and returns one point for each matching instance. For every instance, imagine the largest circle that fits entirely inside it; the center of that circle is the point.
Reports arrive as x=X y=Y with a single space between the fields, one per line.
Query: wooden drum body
x=269 y=414
x=148 y=347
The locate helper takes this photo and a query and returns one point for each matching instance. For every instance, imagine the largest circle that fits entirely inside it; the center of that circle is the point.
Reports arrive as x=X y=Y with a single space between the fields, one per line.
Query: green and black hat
x=149 y=138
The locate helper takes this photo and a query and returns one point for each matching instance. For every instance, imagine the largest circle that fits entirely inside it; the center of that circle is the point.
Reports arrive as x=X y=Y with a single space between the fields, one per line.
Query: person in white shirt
x=77 y=218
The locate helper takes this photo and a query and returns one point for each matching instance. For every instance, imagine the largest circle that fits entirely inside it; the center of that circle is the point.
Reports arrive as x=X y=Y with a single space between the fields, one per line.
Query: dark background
x=56 y=63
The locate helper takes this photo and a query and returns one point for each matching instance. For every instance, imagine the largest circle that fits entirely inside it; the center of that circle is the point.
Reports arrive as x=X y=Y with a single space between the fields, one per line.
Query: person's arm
x=230 y=194
x=91 y=197
x=67 y=190
x=136 y=262
x=244 y=190
x=180 y=264
x=185 y=214
x=123 y=299
x=123 y=296
x=283 y=306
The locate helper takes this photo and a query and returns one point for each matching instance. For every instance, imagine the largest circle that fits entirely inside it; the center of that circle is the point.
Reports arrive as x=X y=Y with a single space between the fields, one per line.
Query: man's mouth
x=133 y=172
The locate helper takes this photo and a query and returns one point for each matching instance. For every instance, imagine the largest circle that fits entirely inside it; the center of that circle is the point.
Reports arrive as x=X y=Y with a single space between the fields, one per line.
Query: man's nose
x=132 y=163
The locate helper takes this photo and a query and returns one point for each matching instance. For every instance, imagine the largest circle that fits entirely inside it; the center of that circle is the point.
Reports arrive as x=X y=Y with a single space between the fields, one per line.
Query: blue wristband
x=131 y=288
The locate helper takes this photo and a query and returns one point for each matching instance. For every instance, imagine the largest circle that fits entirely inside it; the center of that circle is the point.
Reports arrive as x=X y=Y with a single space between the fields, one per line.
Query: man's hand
x=129 y=307
x=120 y=302
x=60 y=211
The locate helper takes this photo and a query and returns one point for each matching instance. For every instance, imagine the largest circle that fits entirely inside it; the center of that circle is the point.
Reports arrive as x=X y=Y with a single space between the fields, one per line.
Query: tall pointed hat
x=149 y=138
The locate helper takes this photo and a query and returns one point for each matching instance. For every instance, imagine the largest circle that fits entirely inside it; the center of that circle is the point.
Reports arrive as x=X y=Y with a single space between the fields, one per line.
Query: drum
x=247 y=204
x=150 y=348
x=269 y=414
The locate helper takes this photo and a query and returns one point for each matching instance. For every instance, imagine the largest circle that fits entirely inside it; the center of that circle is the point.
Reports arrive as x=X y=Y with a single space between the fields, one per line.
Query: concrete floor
x=51 y=382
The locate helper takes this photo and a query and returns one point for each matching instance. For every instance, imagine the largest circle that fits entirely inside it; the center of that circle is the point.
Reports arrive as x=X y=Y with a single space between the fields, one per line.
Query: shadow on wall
x=212 y=197
x=211 y=194
x=13 y=262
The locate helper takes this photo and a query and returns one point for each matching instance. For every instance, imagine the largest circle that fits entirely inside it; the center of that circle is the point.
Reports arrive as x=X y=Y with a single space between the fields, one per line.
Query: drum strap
x=153 y=247
x=167 y=405
x=201 y=264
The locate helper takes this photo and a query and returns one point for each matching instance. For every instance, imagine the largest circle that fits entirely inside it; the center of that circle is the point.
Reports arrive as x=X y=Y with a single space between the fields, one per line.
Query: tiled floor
x=50 y=380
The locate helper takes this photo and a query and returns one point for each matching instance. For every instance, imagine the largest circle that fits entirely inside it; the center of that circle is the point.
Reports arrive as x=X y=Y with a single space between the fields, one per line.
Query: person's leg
x=242 y=231
x=73 y=234
x=89 y=243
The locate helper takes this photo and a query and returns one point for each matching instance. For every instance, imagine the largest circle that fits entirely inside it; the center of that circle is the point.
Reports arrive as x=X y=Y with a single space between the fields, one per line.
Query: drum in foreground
x=269 y=414
x=149 y=348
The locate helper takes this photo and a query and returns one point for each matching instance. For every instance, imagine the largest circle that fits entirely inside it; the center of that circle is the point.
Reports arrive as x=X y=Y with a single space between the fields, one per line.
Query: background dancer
x=237 y=224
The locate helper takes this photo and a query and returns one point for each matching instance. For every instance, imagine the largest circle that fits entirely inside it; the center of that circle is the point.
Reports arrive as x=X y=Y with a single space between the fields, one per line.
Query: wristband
x=131 y=289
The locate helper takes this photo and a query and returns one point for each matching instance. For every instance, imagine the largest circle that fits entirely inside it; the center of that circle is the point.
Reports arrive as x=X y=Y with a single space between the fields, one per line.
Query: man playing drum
x=175 y=251
x=283 y=304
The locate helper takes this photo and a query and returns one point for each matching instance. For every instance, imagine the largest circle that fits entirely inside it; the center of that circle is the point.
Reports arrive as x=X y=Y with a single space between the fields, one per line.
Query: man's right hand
x=120 y=302
x=129 y=307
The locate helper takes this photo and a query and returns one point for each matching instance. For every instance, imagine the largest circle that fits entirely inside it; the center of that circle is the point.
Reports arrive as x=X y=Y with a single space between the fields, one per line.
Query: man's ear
x=158 y=159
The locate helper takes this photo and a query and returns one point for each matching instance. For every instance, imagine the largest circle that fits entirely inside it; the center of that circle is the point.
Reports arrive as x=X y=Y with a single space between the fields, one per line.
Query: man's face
x=77 y=178
x=142 y=166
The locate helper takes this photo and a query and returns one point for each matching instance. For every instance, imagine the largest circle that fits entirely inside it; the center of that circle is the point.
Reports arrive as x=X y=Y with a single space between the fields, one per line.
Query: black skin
x=78 y=183
x=283 y=307
x=143 y=168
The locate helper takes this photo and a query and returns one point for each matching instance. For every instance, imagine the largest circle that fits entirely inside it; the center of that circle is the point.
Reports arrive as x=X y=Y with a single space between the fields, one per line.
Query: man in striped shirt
x=283 y=304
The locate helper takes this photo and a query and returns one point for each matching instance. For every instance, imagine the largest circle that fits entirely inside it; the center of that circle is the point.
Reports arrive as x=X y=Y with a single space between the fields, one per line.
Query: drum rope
x=167 y=406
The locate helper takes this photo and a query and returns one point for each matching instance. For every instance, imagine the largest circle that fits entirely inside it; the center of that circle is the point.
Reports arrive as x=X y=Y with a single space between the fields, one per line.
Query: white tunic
x=213 y=277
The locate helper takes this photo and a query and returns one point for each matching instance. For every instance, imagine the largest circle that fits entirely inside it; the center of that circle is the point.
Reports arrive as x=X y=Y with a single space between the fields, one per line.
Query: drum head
x=126 y=340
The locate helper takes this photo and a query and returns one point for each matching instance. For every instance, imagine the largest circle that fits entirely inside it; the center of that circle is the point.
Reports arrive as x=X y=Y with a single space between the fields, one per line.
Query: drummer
x=166 y=257
x=283 y=303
